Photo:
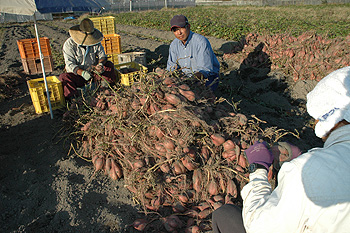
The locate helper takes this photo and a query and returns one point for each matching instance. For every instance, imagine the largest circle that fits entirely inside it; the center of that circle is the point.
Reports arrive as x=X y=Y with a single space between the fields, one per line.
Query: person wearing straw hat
x=192 y=53
x=313 y=191
x=85 y=59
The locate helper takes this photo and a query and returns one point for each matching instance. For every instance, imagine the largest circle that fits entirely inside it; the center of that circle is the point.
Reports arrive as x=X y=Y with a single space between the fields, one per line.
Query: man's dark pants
x=228 y=219
x=71 y=81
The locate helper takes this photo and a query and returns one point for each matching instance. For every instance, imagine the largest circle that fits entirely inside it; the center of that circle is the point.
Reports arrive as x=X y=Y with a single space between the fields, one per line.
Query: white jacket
x=313 y=192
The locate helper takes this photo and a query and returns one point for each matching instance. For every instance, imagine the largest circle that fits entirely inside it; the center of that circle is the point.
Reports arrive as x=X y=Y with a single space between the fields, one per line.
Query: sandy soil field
x=46 y=188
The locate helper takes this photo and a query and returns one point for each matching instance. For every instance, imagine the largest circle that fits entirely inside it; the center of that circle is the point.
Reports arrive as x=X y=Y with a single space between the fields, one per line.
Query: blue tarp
x=65 y=6
x=29 y=7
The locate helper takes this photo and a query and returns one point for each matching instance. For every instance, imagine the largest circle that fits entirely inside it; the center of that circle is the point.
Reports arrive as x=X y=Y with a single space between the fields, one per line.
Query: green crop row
x=234 y=22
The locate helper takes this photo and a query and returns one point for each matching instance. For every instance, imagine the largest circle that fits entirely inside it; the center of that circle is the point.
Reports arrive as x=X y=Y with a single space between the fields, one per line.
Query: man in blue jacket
x=192 y=53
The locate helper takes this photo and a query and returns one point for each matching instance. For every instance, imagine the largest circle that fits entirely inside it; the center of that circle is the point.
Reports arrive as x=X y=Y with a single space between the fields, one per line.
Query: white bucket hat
x=329 y=101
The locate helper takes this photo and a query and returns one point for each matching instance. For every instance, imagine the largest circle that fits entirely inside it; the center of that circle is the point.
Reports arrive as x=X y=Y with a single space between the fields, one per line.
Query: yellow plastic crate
x=128 y=78
x=111 y=43
x=38 y=95
x=105 y=24
x=113 y=58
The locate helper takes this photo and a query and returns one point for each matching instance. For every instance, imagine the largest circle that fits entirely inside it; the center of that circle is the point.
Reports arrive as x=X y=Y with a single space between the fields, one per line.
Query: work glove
x=86 y=75
x=99 y=68
x=260 y=154
x=283 y=152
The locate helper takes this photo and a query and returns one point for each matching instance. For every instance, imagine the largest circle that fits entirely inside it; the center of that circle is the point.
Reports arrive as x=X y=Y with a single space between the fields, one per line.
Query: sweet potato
x=242 y=161
x=179 y=168
x=140 y=224
x=217 y=139
x=189 y=163
x=227 y=154
x=138 y=164
x=205 y=152
x=219 y=198
x=160 y=148
x=168 y=81
x=231 y=188
x=165 y=168
x=213 y=188
x=113 y=174
x=172 y=99
x=183 y=198
x=192 y=229
x=204 y=213
x=159 y=133
x=108 y=166
x=99 y=163
x=117 y=168
x=86 y=126
x=189 y=95
x=169 y=145
x=229 y=145
x=197 y=180
x=203 y=205
x=184 y=87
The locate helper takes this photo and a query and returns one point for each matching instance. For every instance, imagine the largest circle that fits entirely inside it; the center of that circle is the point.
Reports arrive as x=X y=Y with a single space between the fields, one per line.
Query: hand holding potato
x=99 y=68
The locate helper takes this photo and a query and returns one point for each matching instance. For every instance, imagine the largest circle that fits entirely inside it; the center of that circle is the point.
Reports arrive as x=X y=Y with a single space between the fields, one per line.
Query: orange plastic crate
x=111 y=44
x=33 y=65
x=28 y=48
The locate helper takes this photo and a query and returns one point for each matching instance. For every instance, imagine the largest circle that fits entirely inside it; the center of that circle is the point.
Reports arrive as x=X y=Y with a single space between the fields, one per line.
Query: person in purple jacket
x=313 y=191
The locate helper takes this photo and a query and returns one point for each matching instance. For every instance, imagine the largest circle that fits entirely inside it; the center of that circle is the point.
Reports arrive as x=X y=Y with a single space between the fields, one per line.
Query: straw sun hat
x=85 y=33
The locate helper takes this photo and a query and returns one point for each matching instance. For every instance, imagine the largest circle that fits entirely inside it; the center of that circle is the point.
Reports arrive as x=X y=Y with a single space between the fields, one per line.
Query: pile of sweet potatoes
x=179 y=150
x=308 y=56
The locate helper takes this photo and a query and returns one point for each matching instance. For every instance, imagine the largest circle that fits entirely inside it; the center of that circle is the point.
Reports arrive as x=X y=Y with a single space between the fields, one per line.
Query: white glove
x=86 y=75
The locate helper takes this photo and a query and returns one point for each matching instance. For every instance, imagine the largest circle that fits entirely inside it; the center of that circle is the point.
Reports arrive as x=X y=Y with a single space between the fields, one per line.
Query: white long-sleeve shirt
x=313 y=192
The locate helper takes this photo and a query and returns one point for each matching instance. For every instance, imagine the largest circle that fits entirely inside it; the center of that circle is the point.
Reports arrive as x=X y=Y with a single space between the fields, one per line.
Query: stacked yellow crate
x=111 y=44
x=111 y=41
x=105 y=24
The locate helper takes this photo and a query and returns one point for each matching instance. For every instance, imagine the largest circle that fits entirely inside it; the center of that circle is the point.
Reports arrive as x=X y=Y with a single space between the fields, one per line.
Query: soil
x=46 y=188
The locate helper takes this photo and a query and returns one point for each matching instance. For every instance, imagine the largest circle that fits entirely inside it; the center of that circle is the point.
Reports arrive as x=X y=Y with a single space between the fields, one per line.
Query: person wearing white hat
x=313 y=191
x=192 y=53
x=85 y=59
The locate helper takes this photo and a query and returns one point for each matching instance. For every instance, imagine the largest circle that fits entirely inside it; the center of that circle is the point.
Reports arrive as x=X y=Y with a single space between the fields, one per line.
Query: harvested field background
x=45 y=187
